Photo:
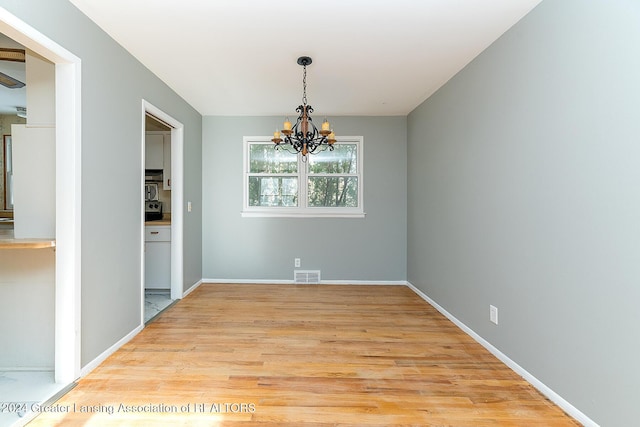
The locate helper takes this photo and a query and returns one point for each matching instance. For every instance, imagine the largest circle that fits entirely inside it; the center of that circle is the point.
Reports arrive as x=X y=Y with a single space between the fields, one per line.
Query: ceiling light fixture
x=10 y=82
x=304 y=137
x=14 y=55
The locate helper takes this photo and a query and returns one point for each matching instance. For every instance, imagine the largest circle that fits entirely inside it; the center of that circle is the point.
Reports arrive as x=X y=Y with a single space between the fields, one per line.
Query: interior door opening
x=157 y=225
x=162 y=278
x=68 y=166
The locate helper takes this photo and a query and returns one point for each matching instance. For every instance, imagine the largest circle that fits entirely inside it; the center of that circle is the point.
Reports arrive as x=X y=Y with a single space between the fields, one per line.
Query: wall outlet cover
x=493 y=314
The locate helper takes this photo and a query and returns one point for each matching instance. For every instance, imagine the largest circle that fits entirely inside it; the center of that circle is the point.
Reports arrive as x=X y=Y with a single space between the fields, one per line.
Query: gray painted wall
x=113 y=86
x=373 y=248
x=523 y=192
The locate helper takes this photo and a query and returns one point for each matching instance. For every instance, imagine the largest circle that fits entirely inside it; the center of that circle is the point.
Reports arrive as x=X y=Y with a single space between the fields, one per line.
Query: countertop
x=8 y=241
x=157 y=223
x=166 y=220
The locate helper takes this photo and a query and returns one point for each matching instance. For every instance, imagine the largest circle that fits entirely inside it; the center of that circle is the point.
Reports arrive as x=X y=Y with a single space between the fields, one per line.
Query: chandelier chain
x=304 y=86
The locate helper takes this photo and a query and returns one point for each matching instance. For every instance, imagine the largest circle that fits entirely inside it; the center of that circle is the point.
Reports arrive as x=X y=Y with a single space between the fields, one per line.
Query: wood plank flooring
x=285 y=355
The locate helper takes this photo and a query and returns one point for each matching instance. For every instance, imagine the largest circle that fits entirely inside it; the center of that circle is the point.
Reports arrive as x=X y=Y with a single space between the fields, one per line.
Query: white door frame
x=177 y=190
x=68 y=191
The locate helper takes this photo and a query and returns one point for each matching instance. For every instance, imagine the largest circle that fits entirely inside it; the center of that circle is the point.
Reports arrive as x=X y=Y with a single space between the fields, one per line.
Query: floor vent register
x=306 y=277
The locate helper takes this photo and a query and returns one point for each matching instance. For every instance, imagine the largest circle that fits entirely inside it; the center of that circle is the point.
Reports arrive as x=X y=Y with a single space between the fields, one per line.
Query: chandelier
x=304 y=137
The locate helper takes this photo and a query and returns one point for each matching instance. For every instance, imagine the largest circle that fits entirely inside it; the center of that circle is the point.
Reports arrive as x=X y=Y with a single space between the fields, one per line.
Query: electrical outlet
x=188 y=206
x=493 y=314
x=296 y=262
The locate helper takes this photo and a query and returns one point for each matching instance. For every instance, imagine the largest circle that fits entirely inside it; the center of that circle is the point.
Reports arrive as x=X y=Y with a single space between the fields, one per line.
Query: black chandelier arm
x=312 y=131
x=310 y=135
x=313 y=146
x=285 y=146
x=302 y=107
x=321 y=146
x=295 y=143
x=316 y=145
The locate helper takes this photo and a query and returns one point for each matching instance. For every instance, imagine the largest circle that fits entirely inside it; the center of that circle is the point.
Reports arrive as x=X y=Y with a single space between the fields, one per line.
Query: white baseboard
x=291 y=282
x=539 y=385
x=365 y=282
x=192 y=288
x=248 y=281
x=98 y=360
x=108 y=352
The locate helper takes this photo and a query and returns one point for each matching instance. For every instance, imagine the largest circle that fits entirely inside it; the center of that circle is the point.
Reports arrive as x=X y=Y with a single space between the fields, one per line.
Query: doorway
x=68 y=197
x=68 y=162
x=162 y=237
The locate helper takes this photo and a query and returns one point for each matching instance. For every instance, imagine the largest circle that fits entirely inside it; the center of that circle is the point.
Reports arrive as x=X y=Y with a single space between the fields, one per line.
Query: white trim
x=177 y=209
x=141 y=198
x=68 y=191
x=177 y=201
x=26 y=35
x=302 y=175
x=108 y=352
x=192 y=288
x=285 y=214
x=365 y=282
x=68 y=222
x=291 y=282
x=539 y=385
x=248 y=281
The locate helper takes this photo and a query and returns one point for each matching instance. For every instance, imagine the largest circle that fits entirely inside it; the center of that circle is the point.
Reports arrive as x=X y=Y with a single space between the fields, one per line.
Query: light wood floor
x=284 y=355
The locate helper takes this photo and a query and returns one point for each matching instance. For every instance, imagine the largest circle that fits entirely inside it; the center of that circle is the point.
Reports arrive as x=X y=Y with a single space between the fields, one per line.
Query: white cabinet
x=154 y=151
x=34 y=185
x=166 y=173
x=157 y=257
x=158 y=155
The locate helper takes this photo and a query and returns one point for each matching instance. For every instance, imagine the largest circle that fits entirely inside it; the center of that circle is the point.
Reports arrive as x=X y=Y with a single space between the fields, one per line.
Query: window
x=279 y=183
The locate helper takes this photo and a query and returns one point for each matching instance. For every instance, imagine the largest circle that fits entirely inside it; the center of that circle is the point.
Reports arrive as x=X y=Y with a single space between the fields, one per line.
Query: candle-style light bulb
x=287 y=124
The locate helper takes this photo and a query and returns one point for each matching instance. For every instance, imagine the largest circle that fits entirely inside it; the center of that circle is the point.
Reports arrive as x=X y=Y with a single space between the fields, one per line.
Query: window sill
x=282 y=214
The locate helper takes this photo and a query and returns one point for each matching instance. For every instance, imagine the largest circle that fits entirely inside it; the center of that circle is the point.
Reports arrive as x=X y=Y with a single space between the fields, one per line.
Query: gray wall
x=373 y=248
x=524 y=193
x=113 y=86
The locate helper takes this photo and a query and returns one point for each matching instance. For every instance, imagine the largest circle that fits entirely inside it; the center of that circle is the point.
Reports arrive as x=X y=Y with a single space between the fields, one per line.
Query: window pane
x=273 y=191
x=339 y=191
x=341 y=160
x=264 y=158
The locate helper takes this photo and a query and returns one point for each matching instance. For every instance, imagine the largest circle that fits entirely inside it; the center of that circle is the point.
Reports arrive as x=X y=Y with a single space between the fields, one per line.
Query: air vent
x=306 y=276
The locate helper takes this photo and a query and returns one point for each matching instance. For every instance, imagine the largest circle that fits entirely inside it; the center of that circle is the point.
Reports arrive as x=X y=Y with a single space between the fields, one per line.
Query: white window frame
x=302 y=211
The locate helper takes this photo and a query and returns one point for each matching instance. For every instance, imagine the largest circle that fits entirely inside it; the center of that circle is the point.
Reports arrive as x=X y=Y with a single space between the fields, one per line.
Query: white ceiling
x=238 y=57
